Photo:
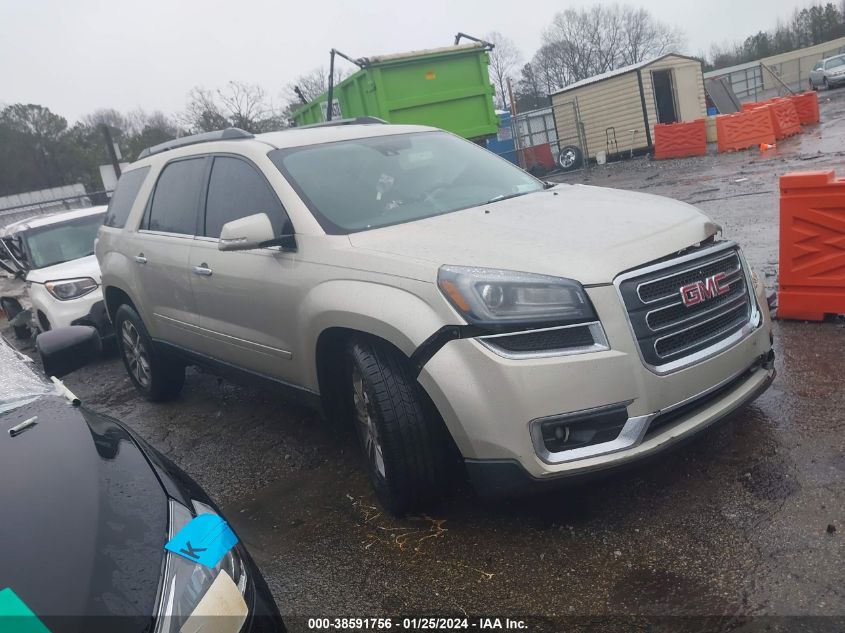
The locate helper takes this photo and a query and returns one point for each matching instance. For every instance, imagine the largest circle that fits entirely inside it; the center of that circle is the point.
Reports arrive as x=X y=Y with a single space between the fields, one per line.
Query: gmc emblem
x=700 y=291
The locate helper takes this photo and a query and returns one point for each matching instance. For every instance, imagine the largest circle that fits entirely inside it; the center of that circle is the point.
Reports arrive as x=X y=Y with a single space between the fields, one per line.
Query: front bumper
x=491 y=404
x=79 y=311
x=506 y=477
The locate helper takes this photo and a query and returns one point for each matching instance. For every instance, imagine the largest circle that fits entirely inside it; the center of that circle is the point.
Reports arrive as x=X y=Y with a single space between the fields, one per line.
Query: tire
x=813 y=86
x=570 y=158
x=826 y=84
x=12 y=309
x=156 y=376
x=408 y=453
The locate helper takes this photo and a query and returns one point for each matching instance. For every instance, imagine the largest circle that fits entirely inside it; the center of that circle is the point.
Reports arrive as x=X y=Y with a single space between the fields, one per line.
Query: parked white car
x=829 y=72
x=447 y=304
x=54 y=255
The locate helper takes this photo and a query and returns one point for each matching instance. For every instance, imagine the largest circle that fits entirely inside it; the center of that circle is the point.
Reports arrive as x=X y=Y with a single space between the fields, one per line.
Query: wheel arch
x=331 y=364
x=115 y=297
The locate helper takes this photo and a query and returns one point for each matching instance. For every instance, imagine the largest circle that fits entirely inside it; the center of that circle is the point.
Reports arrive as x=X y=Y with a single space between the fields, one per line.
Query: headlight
x=65 y=289
x=490 y=297
x=185 y=583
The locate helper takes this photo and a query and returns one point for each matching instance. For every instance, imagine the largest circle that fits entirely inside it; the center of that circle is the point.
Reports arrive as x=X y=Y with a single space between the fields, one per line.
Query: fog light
x=565 y=432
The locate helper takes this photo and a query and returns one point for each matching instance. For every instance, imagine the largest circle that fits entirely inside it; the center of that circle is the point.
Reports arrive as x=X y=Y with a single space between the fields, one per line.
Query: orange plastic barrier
x=807 y=106
x=812 y=245
x=678 y=140
x=744 y=129
x=785 y=119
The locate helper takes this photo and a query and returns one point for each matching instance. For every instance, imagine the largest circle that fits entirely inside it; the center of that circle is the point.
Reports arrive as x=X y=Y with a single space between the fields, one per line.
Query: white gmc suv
x=452 y=307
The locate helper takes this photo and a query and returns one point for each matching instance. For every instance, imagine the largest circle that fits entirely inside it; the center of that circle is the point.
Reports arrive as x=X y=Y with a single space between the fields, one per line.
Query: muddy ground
x=747 y=521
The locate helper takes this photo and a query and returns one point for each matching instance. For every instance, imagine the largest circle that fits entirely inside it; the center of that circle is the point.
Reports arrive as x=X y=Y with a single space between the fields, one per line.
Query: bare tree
x=203 y=113
x=237 y=104
x=504 y=60
x=312 y=84
x=645 y=37
x=586 y=42
x=245 y=105
x=109 y=117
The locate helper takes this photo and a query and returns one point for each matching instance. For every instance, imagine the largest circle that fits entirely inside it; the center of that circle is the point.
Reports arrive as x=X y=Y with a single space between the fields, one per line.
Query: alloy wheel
x=135 y=354
x=365 y=423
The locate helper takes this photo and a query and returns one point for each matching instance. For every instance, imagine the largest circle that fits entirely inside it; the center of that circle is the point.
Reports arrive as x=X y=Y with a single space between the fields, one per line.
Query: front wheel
x=406 y=447
x=813 y=86
x=12 y=309
x=155 y=376
x=570 y=157
x=826 y=84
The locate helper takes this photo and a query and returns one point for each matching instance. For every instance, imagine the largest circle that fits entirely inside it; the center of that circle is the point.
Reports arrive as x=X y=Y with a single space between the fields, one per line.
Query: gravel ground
x=746 y=521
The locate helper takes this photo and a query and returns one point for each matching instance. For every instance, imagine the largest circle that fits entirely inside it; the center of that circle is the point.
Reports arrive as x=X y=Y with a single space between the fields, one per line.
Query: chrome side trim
x=600 y=343
x=227 y=338
x=632 y=433
x=754 y=321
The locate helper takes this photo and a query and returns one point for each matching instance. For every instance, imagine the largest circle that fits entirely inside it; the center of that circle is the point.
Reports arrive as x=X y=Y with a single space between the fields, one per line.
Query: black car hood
x=84 y=519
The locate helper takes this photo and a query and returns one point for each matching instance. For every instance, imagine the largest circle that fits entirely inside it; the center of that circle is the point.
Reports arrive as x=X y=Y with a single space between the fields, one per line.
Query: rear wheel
x=407 y=450
x=155 y=376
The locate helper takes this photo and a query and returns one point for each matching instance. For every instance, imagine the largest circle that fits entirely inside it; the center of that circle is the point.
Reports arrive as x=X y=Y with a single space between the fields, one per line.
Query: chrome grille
x=666 y=329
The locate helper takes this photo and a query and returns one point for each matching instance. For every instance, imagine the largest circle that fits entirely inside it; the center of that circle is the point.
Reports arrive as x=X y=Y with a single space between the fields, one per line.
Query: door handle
x=202 y=270
x=141 y=259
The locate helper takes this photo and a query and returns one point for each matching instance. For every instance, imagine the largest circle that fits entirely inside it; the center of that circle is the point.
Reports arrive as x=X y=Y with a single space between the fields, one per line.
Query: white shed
x=626 y=103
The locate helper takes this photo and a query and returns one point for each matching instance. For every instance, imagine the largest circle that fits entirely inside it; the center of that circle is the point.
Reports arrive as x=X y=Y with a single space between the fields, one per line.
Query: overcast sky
x=75 y=56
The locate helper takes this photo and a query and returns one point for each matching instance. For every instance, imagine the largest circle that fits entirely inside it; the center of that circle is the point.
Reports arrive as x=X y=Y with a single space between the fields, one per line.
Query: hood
x=589 y=234
x=84 y=518
x=82 y=267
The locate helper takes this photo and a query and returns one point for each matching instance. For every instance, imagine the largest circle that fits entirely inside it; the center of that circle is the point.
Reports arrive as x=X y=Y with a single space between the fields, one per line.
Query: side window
x=124 y=197
x=176 y=197
x=817 y=66
x=236 y=189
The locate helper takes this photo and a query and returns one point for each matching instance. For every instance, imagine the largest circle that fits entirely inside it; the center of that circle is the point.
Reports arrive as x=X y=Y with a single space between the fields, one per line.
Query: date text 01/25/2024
x=416 y=624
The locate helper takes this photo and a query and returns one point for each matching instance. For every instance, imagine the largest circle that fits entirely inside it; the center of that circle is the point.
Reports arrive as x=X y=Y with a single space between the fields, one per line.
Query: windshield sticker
x=25 y=621
x=204 y=540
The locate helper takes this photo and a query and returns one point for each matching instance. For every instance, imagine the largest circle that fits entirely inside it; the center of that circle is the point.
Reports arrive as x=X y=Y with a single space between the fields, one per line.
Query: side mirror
x=66 y=349
x=247 y=233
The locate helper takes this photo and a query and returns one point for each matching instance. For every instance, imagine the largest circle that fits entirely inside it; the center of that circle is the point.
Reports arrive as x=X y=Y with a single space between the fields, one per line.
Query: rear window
x=176 y=199
x=124 y=197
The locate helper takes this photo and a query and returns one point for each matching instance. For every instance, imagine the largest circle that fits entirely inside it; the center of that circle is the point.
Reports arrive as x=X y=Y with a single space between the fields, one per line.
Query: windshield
x=57 y=243
x=371 y=182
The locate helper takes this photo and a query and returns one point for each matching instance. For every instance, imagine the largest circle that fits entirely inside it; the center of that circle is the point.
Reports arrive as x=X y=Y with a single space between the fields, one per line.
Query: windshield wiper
x=501 y=197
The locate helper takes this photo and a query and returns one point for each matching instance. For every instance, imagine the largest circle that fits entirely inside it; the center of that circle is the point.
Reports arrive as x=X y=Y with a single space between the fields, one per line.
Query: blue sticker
x=205 y=540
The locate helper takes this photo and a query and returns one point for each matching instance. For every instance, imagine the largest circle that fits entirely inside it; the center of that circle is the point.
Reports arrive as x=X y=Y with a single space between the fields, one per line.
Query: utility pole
x=115 y=161
x=510 y=95
x=331 y=86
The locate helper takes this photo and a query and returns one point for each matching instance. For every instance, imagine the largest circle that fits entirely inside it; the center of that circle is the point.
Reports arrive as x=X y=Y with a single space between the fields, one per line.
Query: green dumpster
x=448 y=88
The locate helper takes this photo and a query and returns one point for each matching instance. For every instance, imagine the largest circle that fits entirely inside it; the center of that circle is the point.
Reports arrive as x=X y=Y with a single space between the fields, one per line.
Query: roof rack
x=360 y=120
x=230 y=133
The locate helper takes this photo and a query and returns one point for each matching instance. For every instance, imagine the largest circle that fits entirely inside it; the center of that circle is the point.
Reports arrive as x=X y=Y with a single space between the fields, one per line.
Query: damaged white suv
x=452 y=307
